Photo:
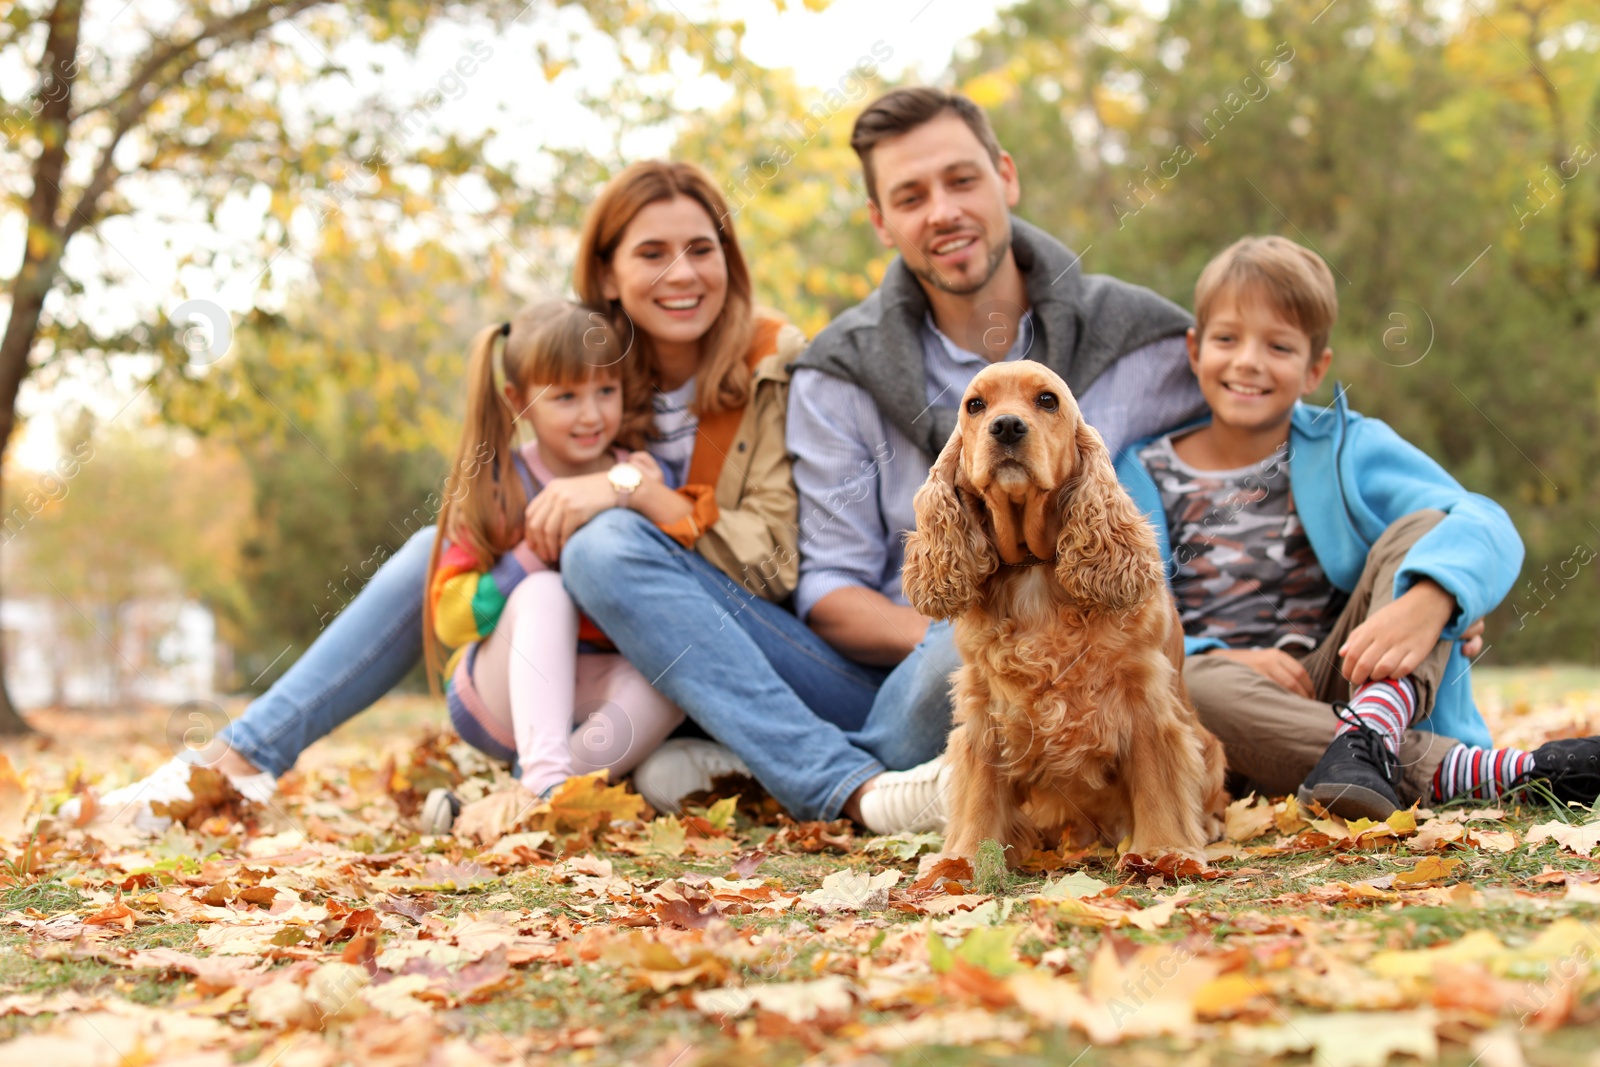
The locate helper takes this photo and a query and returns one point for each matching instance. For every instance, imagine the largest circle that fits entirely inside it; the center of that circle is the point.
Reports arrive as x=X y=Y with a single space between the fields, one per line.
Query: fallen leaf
x=953 y=1028
x=851 y=891
x=666 y=836
x=904 y=846
x=934 y=871
x=1428 y=869
x=1350 y=1039
x=1076 y=884
x=796 y=1001
x=586 y=802
x=1582 y=840
x=1248 y=818
x=14 y=802
x=487 y=820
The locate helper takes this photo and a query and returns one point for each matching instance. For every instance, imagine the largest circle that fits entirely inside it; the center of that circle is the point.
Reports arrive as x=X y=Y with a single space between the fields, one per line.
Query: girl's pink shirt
x=544 y=476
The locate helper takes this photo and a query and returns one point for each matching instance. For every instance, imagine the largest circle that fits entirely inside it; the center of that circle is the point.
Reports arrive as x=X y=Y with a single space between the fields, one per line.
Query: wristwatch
x=624 y=478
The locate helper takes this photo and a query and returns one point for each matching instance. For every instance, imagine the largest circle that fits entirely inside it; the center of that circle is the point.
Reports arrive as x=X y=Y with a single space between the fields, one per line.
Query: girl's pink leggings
x=570 y=713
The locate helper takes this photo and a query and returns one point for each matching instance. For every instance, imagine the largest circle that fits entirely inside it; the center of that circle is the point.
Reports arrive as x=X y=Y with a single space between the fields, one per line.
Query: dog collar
x=1031 y=561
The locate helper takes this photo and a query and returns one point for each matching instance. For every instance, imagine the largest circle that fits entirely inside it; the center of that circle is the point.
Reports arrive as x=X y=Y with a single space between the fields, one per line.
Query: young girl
x=530 y=681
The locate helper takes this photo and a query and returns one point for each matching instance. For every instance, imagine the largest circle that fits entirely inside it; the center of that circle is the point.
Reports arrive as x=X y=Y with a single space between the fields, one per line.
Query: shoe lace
x=1377 y=751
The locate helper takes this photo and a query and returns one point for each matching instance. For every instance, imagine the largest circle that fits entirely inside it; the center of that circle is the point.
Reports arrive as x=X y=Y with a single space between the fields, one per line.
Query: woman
x=695 y=599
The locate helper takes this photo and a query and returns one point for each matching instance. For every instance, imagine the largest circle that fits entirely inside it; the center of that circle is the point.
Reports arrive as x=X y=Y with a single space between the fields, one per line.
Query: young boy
x=1324 y=569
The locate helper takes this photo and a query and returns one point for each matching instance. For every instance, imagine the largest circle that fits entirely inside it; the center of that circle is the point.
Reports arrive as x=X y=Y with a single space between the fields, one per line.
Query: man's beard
x=930 y=275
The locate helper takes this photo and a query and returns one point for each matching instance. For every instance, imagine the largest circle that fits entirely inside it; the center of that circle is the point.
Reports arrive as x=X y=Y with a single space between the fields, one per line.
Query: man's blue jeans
x=747 y=671
x=750 y=673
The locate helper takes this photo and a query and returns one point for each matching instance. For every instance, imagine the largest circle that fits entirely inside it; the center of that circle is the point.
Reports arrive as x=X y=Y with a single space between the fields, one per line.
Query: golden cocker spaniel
x=1070 y=710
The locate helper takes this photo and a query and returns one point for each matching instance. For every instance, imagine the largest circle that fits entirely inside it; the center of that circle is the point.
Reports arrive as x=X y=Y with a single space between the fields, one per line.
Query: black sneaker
x=1358 y=775
x=1570 y=769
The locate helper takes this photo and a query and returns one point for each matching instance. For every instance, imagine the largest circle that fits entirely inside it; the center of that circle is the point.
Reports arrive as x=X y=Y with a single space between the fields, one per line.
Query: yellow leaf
x=1289 y=818
x=13 y=801
x=587 y=803
x=1225 y=996
x=1403 y=822
x=720 y=814
x=667 y=836
x=1248 y=818
x=1428 y=869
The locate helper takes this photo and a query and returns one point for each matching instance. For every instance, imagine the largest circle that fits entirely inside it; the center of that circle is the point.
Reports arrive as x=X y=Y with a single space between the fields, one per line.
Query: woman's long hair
x=552 y=343
x=723 y=378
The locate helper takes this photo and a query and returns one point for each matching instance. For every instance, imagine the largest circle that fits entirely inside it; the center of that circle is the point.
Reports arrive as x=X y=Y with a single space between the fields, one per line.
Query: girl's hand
x=561 y=508
x=1273 y=663
x=1397 y=637
x=1472 y=640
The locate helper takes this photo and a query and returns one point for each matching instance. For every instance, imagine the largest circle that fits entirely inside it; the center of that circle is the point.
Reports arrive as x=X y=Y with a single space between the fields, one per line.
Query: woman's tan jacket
x=745 y=508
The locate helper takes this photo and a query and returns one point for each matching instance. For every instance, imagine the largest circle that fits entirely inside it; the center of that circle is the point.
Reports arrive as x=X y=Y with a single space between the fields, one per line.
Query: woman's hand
x=648 y=467
x=561 y=508
x=1397 y=637
x=653 y=499
x=1273 y=663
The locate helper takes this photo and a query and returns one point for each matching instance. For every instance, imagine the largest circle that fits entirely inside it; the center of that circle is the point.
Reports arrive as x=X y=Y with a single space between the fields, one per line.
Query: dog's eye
x=1047 y=402
x=975 y=405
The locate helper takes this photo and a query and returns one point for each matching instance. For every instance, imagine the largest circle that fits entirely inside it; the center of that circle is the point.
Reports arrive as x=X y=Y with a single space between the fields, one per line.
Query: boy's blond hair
x=1294 y=281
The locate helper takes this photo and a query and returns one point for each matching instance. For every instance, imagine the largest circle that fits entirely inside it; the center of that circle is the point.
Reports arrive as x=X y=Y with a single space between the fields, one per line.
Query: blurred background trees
x=1445 y=161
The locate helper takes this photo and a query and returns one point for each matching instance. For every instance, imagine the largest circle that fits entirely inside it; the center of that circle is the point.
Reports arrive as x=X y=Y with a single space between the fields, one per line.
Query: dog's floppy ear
x=948 y=555
x=1106 y=554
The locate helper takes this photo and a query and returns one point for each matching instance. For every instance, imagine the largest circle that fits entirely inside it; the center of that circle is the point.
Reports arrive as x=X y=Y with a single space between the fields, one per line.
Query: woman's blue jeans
x=811 y=724
x=364 y=652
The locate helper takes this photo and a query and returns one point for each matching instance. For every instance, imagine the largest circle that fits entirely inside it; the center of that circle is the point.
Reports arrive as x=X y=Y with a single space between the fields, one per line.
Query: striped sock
x=1480 y=773
x=1387 y=707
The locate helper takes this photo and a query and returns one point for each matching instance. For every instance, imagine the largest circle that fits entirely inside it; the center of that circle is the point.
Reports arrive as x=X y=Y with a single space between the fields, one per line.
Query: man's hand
x=560 y=508
x=1273 y=663
x=867 y=626
x=1397 y=637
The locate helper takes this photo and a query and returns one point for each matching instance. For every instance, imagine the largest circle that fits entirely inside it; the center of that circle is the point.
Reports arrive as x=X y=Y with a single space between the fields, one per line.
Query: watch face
x=626 y=476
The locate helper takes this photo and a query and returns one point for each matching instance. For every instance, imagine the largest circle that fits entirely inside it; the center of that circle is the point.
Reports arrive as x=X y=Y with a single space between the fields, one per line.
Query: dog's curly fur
x=1070 y=710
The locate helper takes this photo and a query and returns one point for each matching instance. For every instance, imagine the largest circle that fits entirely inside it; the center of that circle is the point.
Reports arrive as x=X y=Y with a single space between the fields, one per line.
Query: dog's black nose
x=1009 y=429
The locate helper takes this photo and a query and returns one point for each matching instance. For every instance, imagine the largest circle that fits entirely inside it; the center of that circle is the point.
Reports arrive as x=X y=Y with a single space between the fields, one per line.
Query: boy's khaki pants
x=1273 y=737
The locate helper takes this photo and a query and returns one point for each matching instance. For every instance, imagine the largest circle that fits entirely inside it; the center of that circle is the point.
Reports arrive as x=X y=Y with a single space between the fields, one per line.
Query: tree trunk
x=12 y=723
x=41 y=255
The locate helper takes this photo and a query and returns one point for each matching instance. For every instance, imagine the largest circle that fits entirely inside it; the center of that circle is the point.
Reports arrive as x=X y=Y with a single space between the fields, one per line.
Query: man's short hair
x=1293 y=280
x=903 y=110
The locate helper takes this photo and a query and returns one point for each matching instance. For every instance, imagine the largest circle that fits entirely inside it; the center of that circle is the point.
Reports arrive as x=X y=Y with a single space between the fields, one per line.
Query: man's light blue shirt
x=856 y=472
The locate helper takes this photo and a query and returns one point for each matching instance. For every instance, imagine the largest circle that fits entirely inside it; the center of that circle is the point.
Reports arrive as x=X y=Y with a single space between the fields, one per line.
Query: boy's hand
x=1398 y=636
x=1275 y=664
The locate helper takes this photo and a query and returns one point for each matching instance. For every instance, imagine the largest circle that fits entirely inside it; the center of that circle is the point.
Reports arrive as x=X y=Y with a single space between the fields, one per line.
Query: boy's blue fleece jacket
x=1351 y=477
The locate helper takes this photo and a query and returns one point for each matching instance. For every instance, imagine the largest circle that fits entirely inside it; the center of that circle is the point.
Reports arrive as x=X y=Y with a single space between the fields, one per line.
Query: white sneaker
x=169 y=782
x=682 y=766
x=908 y=802
x=439 y=812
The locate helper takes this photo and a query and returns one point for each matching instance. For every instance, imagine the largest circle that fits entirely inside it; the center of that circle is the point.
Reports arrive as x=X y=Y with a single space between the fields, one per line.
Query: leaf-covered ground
x=325 y=930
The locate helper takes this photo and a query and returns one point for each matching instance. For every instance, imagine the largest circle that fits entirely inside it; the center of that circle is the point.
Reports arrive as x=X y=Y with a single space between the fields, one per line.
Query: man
x=873 y=399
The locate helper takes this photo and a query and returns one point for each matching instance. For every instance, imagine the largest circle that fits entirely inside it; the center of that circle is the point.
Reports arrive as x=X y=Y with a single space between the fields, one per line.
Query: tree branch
x=135 y=102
